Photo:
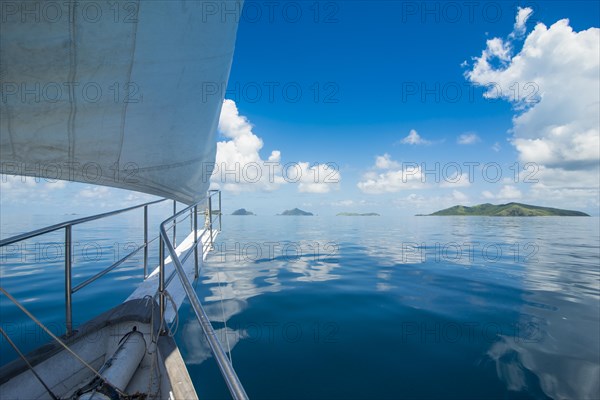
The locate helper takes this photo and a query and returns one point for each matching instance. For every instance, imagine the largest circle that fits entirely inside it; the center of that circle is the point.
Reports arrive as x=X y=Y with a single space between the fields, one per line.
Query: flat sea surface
x=330 y=307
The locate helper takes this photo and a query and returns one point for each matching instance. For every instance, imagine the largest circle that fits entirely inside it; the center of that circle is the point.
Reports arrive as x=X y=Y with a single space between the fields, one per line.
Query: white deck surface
x=149 y=286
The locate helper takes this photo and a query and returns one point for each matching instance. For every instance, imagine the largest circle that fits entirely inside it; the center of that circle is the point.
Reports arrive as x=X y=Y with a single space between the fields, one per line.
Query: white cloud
x=575 y=198
x=456 y=180
x=321 y=178
x=16 y=189
x=95 y=193
x=343 y=203
x=496 y=147
x=350 y=203
x=468 y=138
x=428 y=204
x=571 y=197
x=509 y=192
x=406 y=176
x=523 y=15
x=65 y=196
x=240 y=167
x=414 y=138
x=554 y=84
x=392 y=181
x=497 y=48
x=55 y=185
x=459 y=196
x=487 y=194
x=385 y=162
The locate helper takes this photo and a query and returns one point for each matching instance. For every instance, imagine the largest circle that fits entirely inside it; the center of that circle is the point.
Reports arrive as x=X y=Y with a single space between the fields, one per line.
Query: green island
x=296 y=211
x=506 y=210
x=242 y=211
x=349 y=214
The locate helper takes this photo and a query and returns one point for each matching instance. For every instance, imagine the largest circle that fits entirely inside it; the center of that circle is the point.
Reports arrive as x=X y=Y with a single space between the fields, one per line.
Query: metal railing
x=229 y=375
x=68 y=247
x=211 y=216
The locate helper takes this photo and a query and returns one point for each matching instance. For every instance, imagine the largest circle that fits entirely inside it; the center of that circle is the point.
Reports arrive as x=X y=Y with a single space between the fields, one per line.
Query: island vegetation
x=296 y=211
x=349 y=214
x=507 y=210
x=242 y=211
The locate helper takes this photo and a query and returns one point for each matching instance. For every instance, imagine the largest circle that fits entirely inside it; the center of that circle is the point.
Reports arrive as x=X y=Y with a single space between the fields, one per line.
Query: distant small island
x=348 y=214
x=242 y=211
x=506 y=210
x=295 y=211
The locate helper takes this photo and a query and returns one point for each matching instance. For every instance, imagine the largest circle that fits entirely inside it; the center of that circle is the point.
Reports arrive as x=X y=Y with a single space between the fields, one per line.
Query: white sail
x=117 y=93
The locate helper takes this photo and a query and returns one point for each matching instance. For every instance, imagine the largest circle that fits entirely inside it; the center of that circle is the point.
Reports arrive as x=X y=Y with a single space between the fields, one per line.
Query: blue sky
x=390 y=90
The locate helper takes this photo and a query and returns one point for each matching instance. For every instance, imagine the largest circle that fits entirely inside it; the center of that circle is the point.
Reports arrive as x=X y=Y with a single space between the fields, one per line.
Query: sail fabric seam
x=72 y=75
x=130 y=69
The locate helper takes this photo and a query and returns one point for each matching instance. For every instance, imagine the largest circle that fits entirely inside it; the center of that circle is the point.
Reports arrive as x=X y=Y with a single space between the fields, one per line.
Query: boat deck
x=149 y=286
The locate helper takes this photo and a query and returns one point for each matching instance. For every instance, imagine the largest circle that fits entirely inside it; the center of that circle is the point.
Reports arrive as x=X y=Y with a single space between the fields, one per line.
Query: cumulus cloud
x=459 y=196
x=396 y=177
x=240 y=167
x=455 y=180
x=497 y=48
x=579 y=197
x=572 y=197
x=523 y=15
x=553 y=82
x=94 y=193
x=56 y=185
x=414 y=138
x=429 y=204
x=17 y=189
x=350 y=203
x=468 y=138
x=392 y=181
x=385 y=162
x=509 y=192
x=320 y=178
x=343 y=203
x=487 y=194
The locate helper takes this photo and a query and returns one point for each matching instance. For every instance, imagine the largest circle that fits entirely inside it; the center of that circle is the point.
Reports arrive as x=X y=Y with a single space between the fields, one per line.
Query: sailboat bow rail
x=227 y=371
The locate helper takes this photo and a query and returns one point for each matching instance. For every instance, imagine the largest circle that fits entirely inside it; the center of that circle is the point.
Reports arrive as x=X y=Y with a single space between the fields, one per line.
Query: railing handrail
x=229 y=375
x=67 y=226
x=61 y=225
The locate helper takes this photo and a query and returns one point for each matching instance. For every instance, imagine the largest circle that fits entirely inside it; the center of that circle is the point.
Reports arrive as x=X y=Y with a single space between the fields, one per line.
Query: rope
x=14 y=346
x=53 y=336
x=153 y=354
x=172 y=331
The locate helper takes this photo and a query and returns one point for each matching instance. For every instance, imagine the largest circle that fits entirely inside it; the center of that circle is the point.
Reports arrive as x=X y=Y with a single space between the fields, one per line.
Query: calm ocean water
x=362 y=307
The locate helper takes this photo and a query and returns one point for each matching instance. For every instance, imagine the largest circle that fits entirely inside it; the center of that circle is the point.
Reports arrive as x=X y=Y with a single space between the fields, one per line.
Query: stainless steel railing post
x=229 y=375
x=145 y=241
x=174 y=223
x=220 y=213
x=161 y=277
x=195 y=227
x=68 y=289
x=210 y=228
